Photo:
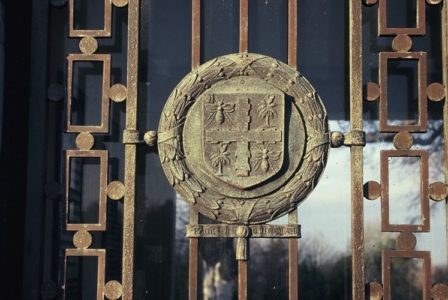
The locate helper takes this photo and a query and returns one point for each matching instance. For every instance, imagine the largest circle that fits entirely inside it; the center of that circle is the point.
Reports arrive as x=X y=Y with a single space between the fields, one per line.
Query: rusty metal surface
x=444 y=32
x=100 y=254
x=424 y=226
x=292 y=33
x=116 y=190
x=293 y=247
x=102 y=197
x=356 y=152
x=420 y=28
x=420 y=57
x=293 y=260
x=105 y=32
x=104 y=126
x=387 y=255
x=242 y=280
x=404 y=141
x=196 y=34
x=193 y=259
x=244 y=26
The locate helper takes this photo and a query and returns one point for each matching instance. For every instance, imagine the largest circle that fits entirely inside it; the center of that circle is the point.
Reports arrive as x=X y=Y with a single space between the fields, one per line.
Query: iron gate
x=104 y=231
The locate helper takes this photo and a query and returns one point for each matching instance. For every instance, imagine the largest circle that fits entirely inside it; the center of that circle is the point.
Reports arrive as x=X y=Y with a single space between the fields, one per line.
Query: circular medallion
x=243 y=139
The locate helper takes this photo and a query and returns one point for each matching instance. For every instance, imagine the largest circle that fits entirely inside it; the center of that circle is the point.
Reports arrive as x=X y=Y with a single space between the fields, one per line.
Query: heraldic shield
x=243 y=138
x=243 y=132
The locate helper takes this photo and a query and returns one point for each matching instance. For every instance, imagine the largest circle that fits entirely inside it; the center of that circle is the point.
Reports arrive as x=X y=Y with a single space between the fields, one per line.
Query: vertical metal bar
x=355 y=64
x=244 y=25
x=130 y=150
x=242 y=280
x=293 y=262
x=194 y=215
x=196 y=34
x=193 y=260
x=445 y=105
x=292 y=33
x=244 y=47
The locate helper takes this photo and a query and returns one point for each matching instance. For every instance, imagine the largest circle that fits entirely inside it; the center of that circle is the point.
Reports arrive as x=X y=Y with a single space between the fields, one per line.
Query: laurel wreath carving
x=257 y=210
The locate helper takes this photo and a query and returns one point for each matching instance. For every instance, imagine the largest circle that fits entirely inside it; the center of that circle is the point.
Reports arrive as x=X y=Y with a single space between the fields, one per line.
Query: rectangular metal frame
x=386 y=258
x=101 y=255
x=424 y=196
x=105 y=102
x=422 y=99
x=102 y=197
x=420 y=21
x=106 y=32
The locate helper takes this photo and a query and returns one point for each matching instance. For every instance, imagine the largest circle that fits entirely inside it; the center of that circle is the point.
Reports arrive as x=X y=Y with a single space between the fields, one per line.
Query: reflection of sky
x=325 y=216
x=327 y=211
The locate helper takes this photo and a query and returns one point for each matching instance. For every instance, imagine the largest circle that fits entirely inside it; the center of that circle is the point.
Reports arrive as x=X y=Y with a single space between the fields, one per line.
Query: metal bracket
x=131 y=136
x=351 y=138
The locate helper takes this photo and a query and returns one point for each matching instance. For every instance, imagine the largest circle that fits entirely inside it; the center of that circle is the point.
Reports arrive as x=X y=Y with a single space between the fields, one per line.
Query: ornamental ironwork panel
x=404 y=133
x=85 y=141
x=244 y=139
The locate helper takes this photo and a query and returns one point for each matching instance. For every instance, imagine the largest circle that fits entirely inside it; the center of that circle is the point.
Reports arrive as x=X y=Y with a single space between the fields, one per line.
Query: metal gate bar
x=116 y=190
x=444 y=18
x=194 y=215
x=356 y=152
x=244 y=47
x=130 y=149
x=293 y=247
x=244 y=25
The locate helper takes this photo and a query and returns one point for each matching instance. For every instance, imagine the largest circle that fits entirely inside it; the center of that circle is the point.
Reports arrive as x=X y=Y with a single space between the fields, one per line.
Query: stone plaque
x=243 y=139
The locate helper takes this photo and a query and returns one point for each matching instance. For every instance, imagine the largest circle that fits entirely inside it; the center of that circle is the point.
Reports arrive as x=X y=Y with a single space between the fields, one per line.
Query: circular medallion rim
x=242 y=211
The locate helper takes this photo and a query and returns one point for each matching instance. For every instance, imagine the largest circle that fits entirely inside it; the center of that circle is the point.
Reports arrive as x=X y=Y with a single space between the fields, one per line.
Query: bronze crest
x=243 y=131
x=243 y=139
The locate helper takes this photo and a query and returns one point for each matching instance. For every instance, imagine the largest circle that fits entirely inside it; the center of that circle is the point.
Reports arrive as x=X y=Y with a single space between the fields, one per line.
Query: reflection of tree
x=323 y=273
x=406 y=274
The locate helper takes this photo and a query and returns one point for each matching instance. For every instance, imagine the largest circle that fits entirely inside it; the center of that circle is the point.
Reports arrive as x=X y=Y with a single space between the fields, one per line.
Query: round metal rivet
x=82 y=239
x=372 y=190
x=406 y=241
x=88 y=45
x=402 y=43
x=85 y=141
x=438 y=191
x=113 y=290
x=376 y=291
x=150 y=138
x=120 y=3
x=439 y=292
x=116 y=190
x=433 y=2
x=435 y=92
x=403 y=140
x=118 y=92
x=55 y=92
x=372 y=91
x=337 y=139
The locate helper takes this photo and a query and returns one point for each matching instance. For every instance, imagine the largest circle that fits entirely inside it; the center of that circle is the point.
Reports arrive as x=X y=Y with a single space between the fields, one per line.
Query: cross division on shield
x=243 y=135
